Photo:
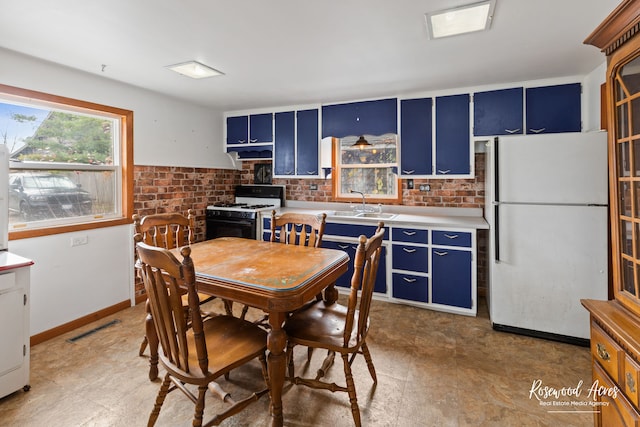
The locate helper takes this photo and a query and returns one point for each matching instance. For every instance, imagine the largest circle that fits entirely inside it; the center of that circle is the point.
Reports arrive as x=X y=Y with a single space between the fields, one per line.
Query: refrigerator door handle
x=496 y=232
x=496 y=169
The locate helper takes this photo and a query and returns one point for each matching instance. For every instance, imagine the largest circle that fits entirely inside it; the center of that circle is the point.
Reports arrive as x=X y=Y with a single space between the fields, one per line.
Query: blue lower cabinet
x=350 y=248
x=451 y=277
x=411 y=258
x=409 y=287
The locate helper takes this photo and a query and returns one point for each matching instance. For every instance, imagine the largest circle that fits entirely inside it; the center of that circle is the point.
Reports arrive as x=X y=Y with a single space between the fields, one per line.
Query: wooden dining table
x=270 y=276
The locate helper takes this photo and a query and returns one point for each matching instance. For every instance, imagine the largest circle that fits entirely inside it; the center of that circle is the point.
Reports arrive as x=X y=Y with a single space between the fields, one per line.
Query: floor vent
x=93 y=331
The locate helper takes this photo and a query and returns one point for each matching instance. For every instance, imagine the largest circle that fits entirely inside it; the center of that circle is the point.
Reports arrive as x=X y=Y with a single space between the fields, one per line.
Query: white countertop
x=404 y=215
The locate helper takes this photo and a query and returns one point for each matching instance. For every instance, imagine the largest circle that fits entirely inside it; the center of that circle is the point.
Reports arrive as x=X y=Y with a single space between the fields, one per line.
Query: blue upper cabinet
x=284 y=161
x=238 y=130
x=307 y=142
x=359 y=118
x=498 y=112
x=453 y=139
x=416 y=125
x=553 y=109
x=261 y=128
x=256 y=128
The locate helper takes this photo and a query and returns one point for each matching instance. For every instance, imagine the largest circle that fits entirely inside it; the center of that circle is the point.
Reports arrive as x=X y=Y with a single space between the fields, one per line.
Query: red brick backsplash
x=458 y=193
x=159 y=189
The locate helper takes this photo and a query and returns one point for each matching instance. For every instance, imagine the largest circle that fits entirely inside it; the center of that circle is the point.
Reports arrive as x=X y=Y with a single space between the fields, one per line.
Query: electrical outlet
x=410 y=184
x=313 y=186
x=425 y=187
x=79 y=240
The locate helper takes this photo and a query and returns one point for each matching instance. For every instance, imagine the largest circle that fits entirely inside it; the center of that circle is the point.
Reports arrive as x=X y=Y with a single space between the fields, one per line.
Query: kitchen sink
x=353 y=214
x=343 y=213
x=379 y=215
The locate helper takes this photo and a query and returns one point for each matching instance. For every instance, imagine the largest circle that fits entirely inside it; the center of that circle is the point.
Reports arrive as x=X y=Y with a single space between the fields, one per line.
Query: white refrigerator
x=546 y=205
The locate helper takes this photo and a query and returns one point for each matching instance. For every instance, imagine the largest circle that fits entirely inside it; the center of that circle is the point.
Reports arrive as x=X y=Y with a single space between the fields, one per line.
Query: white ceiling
x=291 y=52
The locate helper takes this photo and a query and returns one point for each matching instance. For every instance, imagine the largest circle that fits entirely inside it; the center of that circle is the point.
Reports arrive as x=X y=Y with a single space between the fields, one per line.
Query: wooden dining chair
x=168 y=231
x=198 y=352
x=298 y=229
x=338 y=328
x=294 y=229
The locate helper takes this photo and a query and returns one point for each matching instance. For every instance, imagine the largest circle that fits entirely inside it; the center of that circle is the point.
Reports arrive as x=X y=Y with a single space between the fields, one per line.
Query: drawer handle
x=409 y=279
x=409 y=250
x=631 y=384
x=409 y=233
x=537 y=130
x=406 y=172
x=451 y=236
x=253 y=140
x=241 y=141
x=512 y=130
x=440 y=253
x=312 y=172
x=602 y=352
x=343 y=246
x=444 y=172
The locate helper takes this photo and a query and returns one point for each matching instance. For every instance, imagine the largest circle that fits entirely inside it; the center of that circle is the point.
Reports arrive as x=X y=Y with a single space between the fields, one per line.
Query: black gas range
x=239 y=219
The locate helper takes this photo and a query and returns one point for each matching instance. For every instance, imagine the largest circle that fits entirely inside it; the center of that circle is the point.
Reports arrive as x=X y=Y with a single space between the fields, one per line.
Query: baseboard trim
x=74 y=324
x=141 y=298
x=582 y=342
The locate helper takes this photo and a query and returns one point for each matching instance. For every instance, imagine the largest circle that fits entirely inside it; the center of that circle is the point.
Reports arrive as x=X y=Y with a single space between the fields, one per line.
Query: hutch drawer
x=605 y=351
x=631 y=371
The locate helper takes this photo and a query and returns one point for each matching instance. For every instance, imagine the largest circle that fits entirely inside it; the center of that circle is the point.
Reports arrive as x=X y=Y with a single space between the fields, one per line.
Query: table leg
x=331 y=294
x=276 y=342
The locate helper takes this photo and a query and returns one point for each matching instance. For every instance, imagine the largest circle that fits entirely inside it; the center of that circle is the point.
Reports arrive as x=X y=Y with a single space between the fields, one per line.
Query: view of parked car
x=43 y=196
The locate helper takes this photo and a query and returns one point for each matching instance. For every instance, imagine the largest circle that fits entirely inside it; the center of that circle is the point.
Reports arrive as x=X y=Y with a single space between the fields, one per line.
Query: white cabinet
x=14 y=323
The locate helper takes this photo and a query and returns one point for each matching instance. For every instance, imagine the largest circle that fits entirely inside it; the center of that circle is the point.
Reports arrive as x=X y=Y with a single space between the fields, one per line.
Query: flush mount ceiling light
x=194 y=69
x=460 y=20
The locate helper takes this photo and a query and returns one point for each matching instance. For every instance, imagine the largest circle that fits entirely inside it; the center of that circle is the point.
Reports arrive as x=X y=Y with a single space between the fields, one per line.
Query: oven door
x=231 y=227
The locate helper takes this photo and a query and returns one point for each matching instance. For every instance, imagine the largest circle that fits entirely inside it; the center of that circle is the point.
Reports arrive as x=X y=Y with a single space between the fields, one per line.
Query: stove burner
x=245 y=206
x=229 y=205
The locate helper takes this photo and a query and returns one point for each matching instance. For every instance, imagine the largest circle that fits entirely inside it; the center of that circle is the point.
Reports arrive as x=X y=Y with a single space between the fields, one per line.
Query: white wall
x=71 y=282
x=591 y=98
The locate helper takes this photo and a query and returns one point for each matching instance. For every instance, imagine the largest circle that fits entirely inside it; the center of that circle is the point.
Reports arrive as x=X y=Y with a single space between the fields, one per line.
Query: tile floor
x=434 y=369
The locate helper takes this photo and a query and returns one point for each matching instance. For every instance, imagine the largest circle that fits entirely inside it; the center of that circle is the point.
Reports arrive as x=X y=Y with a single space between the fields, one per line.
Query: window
x=370 y=169
x=70 y=163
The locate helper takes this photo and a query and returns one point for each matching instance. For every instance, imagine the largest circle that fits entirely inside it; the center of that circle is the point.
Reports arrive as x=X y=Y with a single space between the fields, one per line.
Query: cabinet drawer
x=410 y=235
x=452 y=238
x=631 y=370
x=7 y=281
x=605 y=351
x=412 y=258
x=350 y=230
x=414 y=288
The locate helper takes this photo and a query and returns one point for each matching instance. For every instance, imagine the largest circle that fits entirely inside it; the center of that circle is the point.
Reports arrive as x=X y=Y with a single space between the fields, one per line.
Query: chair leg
x=143 y=346
x=290 y=358
x=351 y=388
x=367 y=357
x=164 y=389
x=197 y=417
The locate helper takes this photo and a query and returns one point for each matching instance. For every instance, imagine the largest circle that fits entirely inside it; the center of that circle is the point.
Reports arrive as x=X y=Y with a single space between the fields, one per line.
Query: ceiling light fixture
x=361 y=142
x=194 y=69
x=460 y=20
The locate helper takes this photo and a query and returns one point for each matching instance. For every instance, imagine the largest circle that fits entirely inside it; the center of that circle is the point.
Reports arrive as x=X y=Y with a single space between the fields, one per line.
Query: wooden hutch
x=615 y=324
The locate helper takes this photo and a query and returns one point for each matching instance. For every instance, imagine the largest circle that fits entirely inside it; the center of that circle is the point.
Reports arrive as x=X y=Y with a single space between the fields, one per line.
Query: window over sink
x=370 y=169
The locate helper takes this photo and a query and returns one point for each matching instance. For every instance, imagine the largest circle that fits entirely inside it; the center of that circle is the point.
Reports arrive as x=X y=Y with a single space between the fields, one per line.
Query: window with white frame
x=370 y=169
x=70 y=162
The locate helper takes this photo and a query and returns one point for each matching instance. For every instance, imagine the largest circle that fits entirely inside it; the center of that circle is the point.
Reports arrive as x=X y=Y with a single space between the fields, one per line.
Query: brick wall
x=160 y=189
x=459 y=193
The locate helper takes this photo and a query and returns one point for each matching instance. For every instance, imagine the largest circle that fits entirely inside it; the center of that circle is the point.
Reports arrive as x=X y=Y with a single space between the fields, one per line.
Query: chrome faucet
x=364 y=204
